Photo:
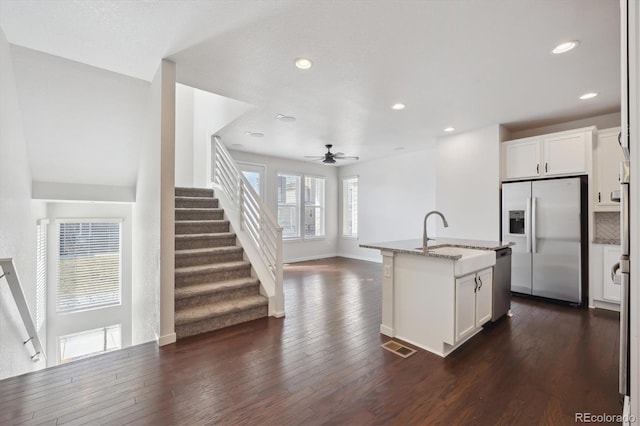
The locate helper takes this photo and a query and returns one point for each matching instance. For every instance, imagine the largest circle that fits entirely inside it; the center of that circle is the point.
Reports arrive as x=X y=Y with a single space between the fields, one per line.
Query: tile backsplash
x=607 y=226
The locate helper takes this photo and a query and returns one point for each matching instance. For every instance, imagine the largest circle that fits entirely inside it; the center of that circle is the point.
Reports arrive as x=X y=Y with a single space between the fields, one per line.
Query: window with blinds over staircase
x=89 y=264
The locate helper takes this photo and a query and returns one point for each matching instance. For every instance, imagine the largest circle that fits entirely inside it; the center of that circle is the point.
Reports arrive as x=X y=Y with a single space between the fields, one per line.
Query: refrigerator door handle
x=534 y=245
x=624 y=333
x=527 y=221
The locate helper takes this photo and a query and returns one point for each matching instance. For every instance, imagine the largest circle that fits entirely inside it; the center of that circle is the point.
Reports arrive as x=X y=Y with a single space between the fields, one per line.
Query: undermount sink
x=465 y=260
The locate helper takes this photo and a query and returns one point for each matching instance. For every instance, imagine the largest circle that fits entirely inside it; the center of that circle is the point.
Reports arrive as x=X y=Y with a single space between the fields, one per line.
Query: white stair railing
x=257 y=225
x=11 y=275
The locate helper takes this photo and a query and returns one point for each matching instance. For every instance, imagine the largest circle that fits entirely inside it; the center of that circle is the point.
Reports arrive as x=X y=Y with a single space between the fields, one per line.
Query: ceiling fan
x=330 y=157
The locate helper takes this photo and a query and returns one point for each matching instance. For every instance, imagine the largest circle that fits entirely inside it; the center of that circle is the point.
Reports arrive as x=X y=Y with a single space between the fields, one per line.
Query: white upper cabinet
x=521 y=159
x=558 y=154
x=606 y=165
x=565 y=155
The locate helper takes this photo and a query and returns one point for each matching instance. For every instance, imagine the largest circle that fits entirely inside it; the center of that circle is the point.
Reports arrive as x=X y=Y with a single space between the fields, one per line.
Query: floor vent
x=398 y=349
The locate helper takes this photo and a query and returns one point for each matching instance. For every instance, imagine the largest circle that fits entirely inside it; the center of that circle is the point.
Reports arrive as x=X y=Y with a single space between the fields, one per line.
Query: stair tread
x=195 y=290
x=200 y=313
x=200 y=209
x=202 y=221
x=191 y=197
x=216 y=266
x=212 y=250
x=207 y=235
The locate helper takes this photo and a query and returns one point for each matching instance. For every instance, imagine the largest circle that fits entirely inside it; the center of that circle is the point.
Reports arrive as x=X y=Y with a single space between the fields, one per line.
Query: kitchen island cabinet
x=438 y=299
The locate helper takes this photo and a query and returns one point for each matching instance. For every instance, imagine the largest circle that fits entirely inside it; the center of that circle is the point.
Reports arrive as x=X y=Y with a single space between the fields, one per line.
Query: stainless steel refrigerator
x=547 y=221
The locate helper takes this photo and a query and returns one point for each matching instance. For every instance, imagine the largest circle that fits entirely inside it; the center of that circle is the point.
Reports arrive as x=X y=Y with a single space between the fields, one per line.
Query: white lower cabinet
x=610 y=286
x=473 y=302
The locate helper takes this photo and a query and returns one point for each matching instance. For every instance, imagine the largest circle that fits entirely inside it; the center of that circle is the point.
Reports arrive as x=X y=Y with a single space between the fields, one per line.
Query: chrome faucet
x=425 y=239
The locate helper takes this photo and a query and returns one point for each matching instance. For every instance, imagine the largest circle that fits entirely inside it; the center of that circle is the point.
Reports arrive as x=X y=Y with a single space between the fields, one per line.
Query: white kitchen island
x=439 y=299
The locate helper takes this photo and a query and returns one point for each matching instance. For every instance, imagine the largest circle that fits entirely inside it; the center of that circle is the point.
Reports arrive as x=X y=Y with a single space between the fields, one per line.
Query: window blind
x=89 y=265
x=41 y=274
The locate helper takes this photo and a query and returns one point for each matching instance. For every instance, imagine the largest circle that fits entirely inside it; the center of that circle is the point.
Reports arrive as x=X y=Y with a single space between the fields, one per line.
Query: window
x=89 y=265
x=313 y=207
x=41 y=274
x=289 y=205
x=350 y=207
x=91 y=342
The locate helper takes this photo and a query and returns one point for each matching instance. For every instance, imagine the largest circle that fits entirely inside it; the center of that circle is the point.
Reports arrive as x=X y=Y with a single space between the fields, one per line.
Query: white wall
x=184 y=135
x=298 y=250
x=199 y=115
x=468 y=184
x=601 y=122
x=394 y=194
x=82 y=124
x=167 y=201
x=18 y=216
x=146 y=227
x=60 y=325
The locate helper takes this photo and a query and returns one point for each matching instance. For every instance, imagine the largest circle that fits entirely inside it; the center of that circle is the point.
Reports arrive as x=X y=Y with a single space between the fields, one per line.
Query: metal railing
x=255 y=220
x=11 y=275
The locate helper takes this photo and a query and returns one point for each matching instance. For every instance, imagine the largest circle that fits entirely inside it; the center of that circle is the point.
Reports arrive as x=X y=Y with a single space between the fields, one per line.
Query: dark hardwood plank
x=322 y=364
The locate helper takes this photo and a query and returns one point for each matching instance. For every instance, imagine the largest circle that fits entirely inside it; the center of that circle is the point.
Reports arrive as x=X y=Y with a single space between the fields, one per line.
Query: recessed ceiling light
x=398 y=148
x=286 y=118
x=398 y=106
x=304 y=63
x=449 y=129
x=589 y=95
x=565 y=47
x=254 y=134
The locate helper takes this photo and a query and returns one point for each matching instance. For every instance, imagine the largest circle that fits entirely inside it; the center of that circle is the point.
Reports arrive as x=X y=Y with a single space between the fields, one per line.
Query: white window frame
x=297 y=204
x=42 y=239
x=301 y=207
x=57 y=263
x=352 y=235
x=320 y=207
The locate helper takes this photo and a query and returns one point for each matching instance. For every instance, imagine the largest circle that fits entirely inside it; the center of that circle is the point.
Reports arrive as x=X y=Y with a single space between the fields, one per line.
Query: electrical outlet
x=387 y=271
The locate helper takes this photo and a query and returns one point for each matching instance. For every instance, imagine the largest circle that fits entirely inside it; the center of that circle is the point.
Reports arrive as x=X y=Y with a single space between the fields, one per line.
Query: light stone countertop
x=415 y=246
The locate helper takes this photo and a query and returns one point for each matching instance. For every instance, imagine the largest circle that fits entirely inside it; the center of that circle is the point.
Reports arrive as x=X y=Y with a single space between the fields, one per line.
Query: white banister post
x=279 y=288
x=240 y=198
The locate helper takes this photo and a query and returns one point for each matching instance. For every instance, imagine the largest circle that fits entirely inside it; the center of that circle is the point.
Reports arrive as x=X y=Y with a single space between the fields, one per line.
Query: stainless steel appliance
x=547 y=221
x=501 y=284
x=624 y=266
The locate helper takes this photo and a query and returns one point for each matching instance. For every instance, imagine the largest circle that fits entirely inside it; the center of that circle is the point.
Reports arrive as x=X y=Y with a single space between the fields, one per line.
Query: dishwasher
x=501 y=284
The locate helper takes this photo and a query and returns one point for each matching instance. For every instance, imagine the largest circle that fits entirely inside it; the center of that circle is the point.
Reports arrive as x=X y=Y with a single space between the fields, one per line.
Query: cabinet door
x=608 y=156
x=465 y=306
x=484 y=296
x=521 y=159
x=610 y=288
x=565 y=154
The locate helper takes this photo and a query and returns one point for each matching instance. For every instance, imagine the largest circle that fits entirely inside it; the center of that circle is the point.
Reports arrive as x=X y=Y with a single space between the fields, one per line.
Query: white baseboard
x=387 y=331
x=611 y=306
x=278 y=314
x=167 y=339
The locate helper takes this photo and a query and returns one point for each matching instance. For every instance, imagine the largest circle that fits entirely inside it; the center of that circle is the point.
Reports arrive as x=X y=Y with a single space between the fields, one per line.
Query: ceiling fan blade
x=315 y=157
x=338 y=153
x=347 y=158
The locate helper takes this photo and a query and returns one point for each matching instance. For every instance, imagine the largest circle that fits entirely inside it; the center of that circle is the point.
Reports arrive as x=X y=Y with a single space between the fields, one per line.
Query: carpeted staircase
x=214 y=286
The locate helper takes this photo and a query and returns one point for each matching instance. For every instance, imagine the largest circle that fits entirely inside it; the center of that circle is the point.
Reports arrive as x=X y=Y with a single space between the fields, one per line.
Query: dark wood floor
x=323 y=364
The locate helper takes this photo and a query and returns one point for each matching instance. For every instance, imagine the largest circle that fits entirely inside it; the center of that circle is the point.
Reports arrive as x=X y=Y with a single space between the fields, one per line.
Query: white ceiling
x=466 y=64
